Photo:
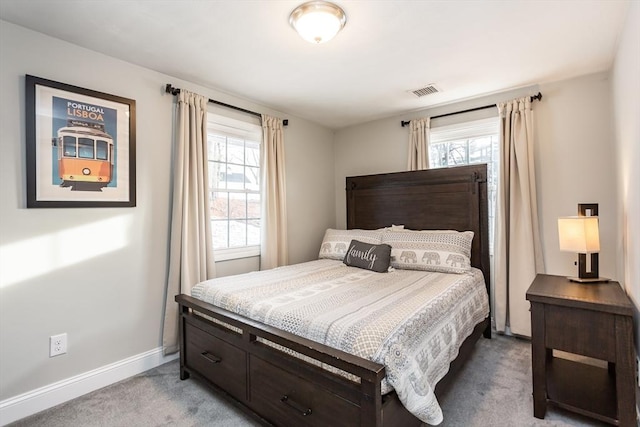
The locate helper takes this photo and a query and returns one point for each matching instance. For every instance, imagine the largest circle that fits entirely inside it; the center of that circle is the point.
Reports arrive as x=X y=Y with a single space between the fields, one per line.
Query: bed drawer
x=289 y=400
x=217 y=361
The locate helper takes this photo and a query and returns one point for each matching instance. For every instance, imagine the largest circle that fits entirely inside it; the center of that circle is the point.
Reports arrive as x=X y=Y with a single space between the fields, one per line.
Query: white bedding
x=412 y=322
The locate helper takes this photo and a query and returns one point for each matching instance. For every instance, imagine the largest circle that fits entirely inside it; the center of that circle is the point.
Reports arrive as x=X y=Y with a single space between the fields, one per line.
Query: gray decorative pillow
x=370 y=257
x=445 y=251
x=335 y=242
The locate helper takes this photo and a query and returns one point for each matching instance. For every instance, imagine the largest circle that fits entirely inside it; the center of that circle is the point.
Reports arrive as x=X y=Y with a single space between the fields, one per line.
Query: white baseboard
x=34 y=401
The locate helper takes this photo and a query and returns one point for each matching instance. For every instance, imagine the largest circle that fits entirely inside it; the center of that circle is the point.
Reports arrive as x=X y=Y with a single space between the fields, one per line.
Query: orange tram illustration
x=85 y=156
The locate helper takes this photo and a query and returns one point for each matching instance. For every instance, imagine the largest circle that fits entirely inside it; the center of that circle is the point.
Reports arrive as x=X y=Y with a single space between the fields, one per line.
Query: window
x=85 y=148
x=469 y=143
x=234 y=186
x=69 y=143
x=102 y=150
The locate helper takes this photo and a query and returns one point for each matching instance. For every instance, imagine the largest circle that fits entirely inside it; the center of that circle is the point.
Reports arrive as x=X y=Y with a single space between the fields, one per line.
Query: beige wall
x=110 y=302
x=575 y=163
x=626 y=122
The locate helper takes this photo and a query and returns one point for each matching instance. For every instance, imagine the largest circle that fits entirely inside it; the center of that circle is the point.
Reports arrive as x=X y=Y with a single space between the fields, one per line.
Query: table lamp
x=580 y=234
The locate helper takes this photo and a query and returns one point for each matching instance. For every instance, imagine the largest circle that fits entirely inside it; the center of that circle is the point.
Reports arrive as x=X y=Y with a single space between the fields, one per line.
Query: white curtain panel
x=418 y=158
x=274 y=247
x=518 y=252
x=191 y=249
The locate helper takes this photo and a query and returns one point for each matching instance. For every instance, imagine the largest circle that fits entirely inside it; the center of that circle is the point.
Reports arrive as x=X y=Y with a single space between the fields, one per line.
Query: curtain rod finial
x=170 y=89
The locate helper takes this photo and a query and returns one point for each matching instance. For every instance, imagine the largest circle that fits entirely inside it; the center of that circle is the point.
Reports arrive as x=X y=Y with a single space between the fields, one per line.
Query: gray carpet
x=494 y=389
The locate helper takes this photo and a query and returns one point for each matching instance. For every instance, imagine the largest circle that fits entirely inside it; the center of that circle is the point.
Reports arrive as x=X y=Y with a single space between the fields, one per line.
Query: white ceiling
x=387 y=48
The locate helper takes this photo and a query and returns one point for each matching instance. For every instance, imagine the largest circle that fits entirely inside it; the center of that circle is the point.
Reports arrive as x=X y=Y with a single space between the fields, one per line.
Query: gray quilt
x=412 y=322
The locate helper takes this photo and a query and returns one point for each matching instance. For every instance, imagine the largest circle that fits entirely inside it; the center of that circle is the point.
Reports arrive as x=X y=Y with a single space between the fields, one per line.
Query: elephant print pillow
x=336 y=242
x=430 y=250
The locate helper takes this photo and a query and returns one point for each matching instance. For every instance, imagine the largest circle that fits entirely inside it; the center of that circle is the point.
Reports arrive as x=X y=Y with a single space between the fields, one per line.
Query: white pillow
x=336 y=242
x=446 y=251
x=392 y=228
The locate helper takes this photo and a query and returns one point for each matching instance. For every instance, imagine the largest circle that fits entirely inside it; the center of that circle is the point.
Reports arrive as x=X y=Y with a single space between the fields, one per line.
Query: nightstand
x=593 y=320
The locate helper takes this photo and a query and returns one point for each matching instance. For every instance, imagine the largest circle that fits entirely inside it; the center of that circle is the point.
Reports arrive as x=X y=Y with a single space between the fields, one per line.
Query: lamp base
x=588 y=280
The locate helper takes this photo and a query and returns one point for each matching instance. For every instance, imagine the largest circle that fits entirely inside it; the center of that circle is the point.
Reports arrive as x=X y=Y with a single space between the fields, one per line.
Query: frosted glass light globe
x=317 y=21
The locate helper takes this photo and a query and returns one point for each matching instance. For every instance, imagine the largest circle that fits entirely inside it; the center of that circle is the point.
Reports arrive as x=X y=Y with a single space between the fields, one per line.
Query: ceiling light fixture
x=317 y=21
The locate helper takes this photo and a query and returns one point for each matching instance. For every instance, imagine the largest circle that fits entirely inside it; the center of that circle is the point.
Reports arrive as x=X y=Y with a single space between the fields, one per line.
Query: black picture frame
x=80 y=147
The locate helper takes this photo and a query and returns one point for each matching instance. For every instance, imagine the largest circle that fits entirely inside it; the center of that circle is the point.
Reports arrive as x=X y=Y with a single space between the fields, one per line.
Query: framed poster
x=80 y=147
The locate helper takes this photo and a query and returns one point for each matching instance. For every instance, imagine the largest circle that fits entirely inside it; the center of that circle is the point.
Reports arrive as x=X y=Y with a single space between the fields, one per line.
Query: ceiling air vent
x=424 y=91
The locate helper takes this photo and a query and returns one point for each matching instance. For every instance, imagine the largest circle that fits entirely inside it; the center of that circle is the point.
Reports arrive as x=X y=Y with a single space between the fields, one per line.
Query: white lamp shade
x=317 y=21
x=579 y=234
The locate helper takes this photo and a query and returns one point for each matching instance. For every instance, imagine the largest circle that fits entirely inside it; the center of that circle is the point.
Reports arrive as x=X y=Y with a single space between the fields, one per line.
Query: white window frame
x=228 y=127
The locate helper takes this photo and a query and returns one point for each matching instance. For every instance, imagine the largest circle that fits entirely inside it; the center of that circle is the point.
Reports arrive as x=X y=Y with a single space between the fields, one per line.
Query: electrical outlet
x=57 y=345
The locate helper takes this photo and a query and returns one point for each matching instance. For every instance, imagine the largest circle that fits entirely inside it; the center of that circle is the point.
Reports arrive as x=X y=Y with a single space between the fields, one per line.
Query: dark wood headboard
x=436 y=199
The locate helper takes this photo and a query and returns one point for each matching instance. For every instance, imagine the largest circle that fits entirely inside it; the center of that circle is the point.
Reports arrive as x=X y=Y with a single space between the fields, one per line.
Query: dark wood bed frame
x=283 y=389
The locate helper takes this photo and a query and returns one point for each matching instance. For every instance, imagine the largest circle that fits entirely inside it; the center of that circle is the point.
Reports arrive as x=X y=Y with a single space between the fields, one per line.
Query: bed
x=289 y=379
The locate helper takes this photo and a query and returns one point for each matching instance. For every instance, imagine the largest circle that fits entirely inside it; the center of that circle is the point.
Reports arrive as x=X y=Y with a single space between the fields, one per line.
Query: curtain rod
x=174 y=91
x=533 y=98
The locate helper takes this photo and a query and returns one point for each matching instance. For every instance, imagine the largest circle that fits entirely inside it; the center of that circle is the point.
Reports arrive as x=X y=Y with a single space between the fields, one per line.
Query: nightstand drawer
x=586 y=332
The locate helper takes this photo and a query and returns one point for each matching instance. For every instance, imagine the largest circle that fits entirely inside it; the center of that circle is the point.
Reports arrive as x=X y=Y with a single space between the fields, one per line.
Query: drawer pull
x=210 y=357
x=285 y=399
